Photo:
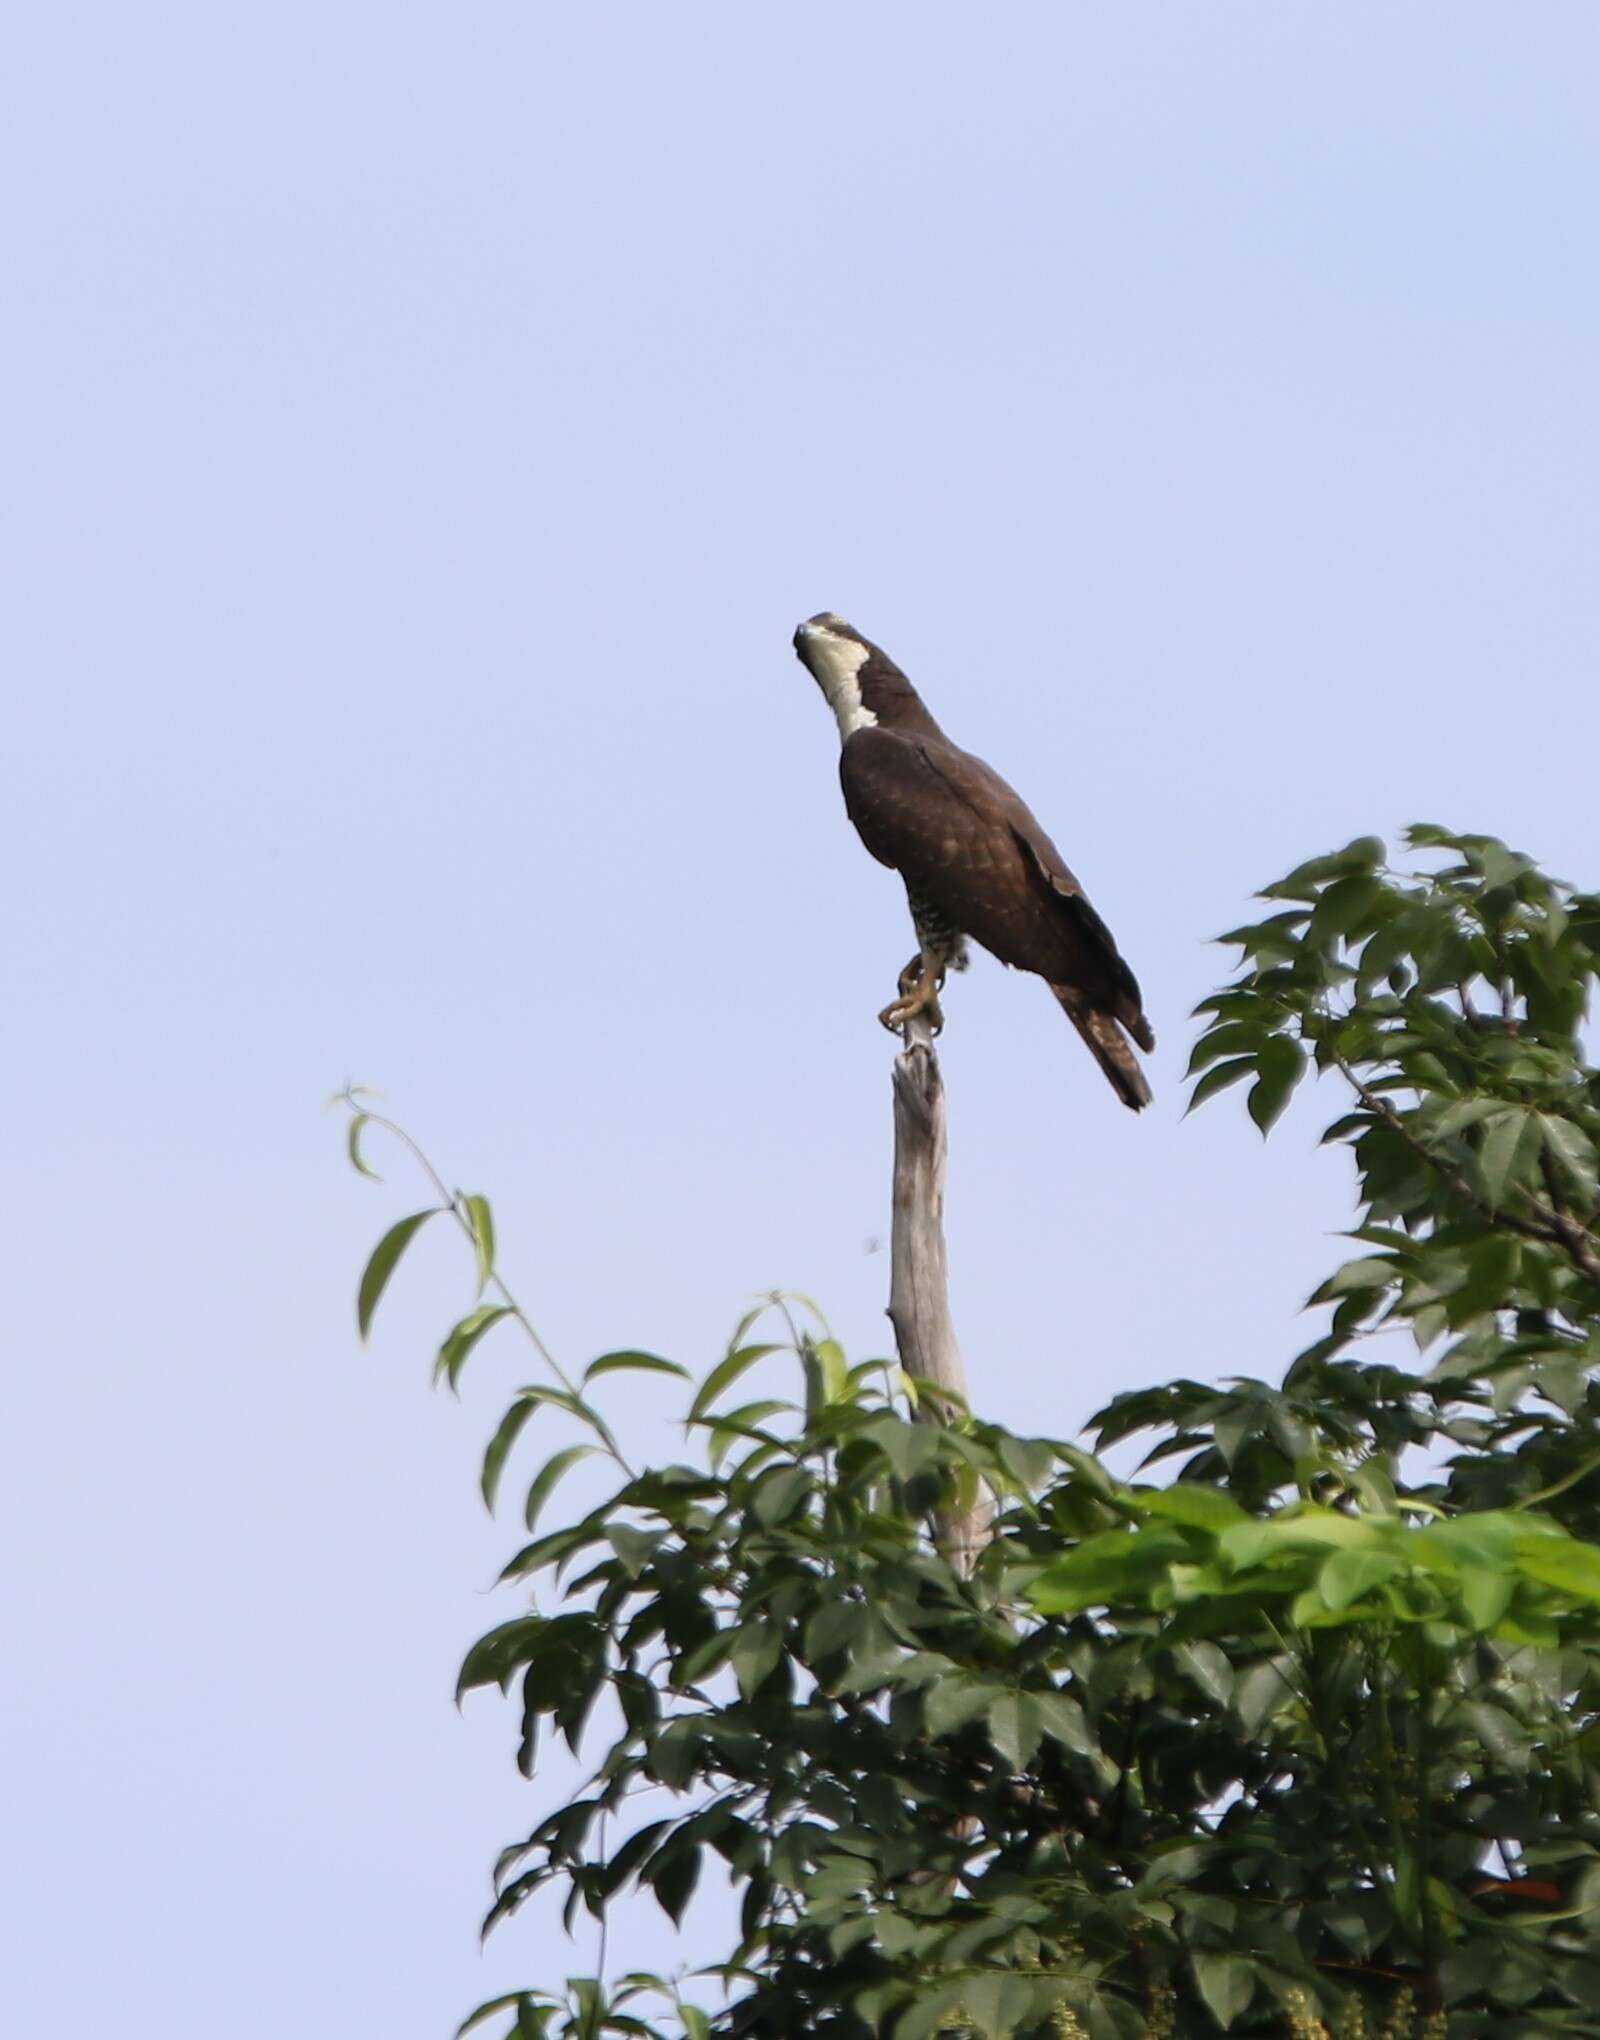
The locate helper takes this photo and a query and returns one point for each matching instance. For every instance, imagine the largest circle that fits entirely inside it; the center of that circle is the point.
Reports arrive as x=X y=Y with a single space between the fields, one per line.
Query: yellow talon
x=919 y=993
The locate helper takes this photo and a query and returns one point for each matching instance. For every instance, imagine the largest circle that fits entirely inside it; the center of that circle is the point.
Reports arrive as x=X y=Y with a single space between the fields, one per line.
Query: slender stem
x=605 y=1913
x=1559 y=1487
x=1430 y=1915
x=451 y=1201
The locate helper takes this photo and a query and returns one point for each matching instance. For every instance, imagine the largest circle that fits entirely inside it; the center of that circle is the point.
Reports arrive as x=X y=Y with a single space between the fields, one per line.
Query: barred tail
x=1107 y=1043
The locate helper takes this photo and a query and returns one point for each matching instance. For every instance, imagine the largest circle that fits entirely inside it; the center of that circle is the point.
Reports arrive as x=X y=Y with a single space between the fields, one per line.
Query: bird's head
x=833 y=652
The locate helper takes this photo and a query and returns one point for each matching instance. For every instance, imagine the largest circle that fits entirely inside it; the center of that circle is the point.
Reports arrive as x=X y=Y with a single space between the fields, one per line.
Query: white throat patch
x=836 y=667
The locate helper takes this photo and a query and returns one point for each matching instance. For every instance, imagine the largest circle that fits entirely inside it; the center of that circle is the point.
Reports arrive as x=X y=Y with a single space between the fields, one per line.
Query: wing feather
x=968 y=842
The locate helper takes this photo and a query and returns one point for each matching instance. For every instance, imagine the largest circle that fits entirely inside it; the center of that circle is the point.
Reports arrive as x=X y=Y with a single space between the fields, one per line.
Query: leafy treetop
x=1302 y=1742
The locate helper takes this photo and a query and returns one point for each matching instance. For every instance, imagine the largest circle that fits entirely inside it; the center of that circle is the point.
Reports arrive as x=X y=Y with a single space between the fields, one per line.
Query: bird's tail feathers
x=1107 y=1043
x=1141 y=1030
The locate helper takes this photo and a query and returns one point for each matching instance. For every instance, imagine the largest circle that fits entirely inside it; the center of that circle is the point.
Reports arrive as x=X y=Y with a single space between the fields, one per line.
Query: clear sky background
x=423 y=427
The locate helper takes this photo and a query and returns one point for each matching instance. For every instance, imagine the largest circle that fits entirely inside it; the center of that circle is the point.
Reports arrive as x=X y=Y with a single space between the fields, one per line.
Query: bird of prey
x=974 y=859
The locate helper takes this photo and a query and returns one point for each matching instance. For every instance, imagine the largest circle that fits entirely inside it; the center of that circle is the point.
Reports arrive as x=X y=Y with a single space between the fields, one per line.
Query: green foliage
x=1302 y=1743
x=385 y=1258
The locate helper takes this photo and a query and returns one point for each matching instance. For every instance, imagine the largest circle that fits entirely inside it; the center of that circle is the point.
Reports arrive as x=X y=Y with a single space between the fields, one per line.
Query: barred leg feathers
x=1107 y=1043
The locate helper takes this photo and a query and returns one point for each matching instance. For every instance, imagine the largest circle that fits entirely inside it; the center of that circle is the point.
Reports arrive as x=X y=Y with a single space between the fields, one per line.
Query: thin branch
x=1559 y=1487
x=600 y=1960
x=452 y=1201
x=1550 y=1227
x=1576 y=1235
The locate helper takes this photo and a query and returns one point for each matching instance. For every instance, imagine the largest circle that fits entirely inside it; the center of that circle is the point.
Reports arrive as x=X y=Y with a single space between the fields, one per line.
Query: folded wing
x=964 y=839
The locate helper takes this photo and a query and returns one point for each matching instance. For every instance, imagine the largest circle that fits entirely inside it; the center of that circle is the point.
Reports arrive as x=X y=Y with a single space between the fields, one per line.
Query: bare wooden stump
x=919 y=1274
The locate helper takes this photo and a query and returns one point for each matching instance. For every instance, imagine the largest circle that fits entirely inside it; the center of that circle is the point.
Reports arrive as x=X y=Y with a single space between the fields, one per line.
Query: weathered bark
x=919 y=1276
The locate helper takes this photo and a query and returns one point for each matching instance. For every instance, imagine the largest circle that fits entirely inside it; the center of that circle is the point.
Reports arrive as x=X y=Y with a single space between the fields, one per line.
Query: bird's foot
x=919 y=994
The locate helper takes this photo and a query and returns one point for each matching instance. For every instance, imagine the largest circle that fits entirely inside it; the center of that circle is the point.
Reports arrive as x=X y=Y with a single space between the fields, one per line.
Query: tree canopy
x=1293 y=1732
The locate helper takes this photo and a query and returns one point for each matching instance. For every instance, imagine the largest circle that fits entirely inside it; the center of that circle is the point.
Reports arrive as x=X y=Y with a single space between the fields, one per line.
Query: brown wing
x=960 y=835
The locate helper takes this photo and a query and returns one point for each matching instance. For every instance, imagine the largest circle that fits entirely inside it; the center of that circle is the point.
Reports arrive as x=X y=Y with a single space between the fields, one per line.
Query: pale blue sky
x=422 y=429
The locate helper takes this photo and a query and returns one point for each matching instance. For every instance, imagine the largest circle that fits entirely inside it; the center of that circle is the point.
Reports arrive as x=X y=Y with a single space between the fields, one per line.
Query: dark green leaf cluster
x=1450 y=1004
x=1194 y=1755
x=1303 y=1743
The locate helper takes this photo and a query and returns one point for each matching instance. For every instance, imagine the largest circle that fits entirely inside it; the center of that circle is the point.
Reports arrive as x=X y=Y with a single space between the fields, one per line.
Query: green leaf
x=494 y=1658
x=726 y=1372
x=353 y=1147
x=1116 y=1568
x=1500 y=866
x=756 y=1650
x=827 y=1373
x=1066 y=1723
x=1370 y=1271
x=480 y=1223
x=1486 y=1596
x=954 y=1702
x=1511 y=1144
x=1282 y=1063
x=633 y=1546
x=1218 y=1078
x=1259 y=1693
x=875 y=1658
x=1564 y=1563
x=1226 y=1982
x=833 y=1627
x=931 y=2011
x=1492 y=1267
x=1383 y=952
x=908 y=1447
x=513 y=2000
x=1188 y=1501
x=1307 y=1527
x=590 y=2003
x=1348 y=1576
x=1573 y=1153
x=998 y=2003
x=543 y=1551
x=545 y=1480
x=1343 y=907
x=1358 y=1919
x=696 y=2026
x=635 y=1981
x=506 y=1435
x=385 y=1255
x=1209 y=1668
x=453 y=1353
x=1232 y=1037
x=1301 y=883
x=575 y=1406
x=1016 y=1725
x=781 y=1492
x=1464 y=1112
x=1274 y=940
x=672 y=1875
x=638 y=1363
x=743 y=1422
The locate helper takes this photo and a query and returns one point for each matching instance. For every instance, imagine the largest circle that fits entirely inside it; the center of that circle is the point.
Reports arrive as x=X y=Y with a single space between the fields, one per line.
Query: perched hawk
x=974 y=859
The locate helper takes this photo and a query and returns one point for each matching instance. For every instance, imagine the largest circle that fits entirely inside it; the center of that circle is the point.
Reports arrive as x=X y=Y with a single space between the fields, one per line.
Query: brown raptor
x=974 y=859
